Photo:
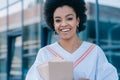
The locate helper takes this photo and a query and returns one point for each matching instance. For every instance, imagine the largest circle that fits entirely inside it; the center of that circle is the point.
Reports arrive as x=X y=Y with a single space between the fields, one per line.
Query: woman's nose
x=63 y=23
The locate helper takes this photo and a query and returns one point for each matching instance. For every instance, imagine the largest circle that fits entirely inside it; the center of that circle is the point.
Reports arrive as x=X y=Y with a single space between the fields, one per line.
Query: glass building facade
x=23 y=32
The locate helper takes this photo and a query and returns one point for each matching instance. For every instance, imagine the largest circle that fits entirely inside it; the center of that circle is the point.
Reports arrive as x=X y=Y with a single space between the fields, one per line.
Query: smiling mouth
x=65 y=30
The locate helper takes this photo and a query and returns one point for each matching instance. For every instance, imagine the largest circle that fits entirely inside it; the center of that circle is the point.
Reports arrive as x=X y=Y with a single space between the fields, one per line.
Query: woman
x=67 y=18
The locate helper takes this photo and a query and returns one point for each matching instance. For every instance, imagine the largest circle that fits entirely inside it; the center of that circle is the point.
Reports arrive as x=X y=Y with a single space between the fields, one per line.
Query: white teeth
x=65 y=30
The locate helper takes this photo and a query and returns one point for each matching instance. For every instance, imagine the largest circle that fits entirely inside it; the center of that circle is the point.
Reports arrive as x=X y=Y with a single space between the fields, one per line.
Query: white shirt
x=92 y=65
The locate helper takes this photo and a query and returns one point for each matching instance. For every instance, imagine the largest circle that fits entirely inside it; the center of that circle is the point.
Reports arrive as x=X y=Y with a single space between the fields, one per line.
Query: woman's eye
x=70 y=19
x=57 y=21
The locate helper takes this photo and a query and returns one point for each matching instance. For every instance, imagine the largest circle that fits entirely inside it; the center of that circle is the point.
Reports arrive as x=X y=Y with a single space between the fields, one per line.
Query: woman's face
x=65 y=22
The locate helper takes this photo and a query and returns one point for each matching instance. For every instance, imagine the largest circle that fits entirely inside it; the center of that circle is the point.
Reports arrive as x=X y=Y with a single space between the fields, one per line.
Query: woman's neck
x=70 y=45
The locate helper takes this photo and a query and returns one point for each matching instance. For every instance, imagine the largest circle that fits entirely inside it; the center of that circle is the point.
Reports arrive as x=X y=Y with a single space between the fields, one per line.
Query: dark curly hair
x=77 y=5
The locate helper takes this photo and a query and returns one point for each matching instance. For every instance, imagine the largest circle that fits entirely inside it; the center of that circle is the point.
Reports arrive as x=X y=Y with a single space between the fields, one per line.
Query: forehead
x=64 y=10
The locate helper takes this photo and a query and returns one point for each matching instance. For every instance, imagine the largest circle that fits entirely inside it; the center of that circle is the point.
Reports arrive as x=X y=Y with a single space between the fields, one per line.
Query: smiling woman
x=66 y=22
x=67 y=18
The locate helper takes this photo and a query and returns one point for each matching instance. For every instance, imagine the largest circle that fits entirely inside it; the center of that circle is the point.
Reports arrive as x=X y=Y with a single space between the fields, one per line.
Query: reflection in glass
x=31 y=45
x=15 y=18
x=15 y=8
x=13 y=1
x=3 y=55
x=28 y=61
x=3 y=21
x=3 y=13
x=16 y=66
x=3 y=3
x=31 y=39
x=29 y=3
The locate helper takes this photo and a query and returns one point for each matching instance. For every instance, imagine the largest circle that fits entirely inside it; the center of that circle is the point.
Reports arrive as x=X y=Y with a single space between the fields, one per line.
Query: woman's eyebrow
x=57 y=17
x=65 y=16
x=69 y=15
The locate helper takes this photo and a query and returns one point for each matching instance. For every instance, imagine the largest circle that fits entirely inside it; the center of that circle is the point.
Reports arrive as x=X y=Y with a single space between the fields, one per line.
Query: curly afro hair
x=77 y=5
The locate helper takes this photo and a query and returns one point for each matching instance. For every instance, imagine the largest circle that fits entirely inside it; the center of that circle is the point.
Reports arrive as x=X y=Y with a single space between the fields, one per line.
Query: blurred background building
x=23 y=32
